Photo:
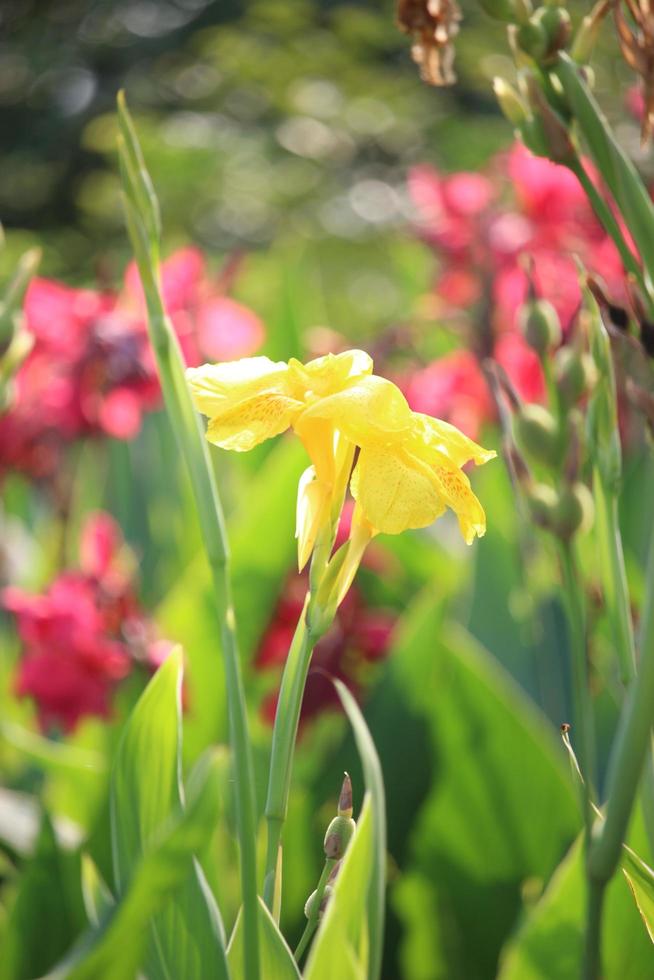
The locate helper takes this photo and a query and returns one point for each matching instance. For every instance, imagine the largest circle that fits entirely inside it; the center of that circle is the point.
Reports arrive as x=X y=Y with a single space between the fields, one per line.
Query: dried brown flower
x=637 y=46
x=432 y=24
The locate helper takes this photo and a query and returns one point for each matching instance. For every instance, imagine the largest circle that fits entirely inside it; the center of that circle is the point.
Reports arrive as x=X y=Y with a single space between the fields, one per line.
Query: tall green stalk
x=142 y=216
x=628 y=755
x=287 y=719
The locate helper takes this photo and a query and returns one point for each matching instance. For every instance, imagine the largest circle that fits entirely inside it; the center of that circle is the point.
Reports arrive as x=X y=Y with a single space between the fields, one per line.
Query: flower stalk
x=142 y=215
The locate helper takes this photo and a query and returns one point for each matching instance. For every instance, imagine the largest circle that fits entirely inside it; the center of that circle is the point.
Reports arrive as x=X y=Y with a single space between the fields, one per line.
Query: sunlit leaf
x=275 y=954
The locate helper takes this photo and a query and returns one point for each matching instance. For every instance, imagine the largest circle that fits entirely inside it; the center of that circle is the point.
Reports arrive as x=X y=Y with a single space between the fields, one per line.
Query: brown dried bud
x=432 y=24
x=637 y=47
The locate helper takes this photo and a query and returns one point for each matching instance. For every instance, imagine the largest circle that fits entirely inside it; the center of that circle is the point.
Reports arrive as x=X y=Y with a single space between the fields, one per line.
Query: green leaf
x=186 y=937
x=375 y=787
x=615 y=167
x=47 y=912
x=340 y=948
x=640 y=879
x=275 y=954
x=98 y=900
x=116 y=946
x=500 y=807
x=550 y=942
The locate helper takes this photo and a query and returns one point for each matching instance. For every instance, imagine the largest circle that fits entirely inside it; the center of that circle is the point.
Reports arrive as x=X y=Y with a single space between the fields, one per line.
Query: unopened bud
x=574 y=511
x=510 y=102
x=338 y=836
x=588 y=31
x=554 y=129
x=542 y=502
x=540 y=326
x=536 y=434
x=532 y=39
x=555 y=22
x=345 y=808
x=309 y=906
x=575 y=374
x=510 y=11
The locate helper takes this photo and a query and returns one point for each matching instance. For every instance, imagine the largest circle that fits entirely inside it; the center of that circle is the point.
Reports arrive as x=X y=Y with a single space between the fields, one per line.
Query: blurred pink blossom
x=84 y=633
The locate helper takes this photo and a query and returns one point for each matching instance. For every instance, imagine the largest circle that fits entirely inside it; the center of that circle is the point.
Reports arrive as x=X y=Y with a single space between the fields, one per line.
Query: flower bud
x=574 y=511
x=510 y=11
x=575 y=374
x=309 y=909
x=556 y=25
x=536 y=434
x=540 y=326
x=510 y=102
x=338 y=836
x=542 y=502
x=532 y=39
x=345 y=808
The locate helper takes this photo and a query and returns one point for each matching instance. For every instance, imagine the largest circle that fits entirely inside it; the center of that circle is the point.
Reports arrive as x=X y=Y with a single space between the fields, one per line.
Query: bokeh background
x=280 y=137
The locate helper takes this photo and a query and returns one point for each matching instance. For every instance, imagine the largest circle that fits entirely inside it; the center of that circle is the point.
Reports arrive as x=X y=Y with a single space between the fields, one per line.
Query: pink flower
x=452 y=388
x=84 y=634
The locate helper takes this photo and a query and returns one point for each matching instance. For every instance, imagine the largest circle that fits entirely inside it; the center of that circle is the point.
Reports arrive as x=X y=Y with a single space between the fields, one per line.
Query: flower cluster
x=91 y=370
x=408 y=467
x=482 y=234
x=84 y=634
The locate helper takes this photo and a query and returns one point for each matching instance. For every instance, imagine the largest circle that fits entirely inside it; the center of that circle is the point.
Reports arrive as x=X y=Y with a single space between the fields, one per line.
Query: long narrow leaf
x=375 y=786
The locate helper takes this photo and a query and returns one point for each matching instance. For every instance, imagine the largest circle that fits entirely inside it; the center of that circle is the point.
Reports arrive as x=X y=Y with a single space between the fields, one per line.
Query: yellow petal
x=453 y=487
x=250 y=422
x=429 y=433
x=313 y=502
x=395 y=491
x=373 y=411
x=325 y=375
x=216 y=388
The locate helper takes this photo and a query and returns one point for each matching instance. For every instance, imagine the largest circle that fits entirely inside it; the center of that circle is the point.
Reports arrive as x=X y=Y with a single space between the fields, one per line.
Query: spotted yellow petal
x=216 y=388
x=373 y=411
x=453 y=487
x=395 y=491
x=434 y=434
x=252 y=421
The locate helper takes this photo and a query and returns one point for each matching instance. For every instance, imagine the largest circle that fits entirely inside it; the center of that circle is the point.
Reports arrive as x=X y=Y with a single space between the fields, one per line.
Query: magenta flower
x=84 y=634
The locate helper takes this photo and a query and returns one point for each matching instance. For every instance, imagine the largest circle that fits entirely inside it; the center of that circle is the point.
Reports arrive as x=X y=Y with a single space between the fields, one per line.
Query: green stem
x=142 y=220
x=285 y=729
x=616 y=596
x=314 y=916
x=608 y=220
x=583 y=709
x=592 y=966
x=630 y=748
x=614 y=576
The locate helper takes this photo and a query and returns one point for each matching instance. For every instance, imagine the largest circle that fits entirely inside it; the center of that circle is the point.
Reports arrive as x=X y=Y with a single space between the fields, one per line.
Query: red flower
x=83 y=635
x=452 y=388
x=91 y=371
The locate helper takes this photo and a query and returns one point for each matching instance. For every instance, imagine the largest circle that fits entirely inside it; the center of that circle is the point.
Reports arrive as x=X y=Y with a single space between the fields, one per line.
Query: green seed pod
x=510 y=11
x=338 y=836
x=575 y=374
x=540 y=326
x=542 y=502
x=536 y=434
x=574 y=511
x=556 y=26
x=309 y=909
x=532 y=39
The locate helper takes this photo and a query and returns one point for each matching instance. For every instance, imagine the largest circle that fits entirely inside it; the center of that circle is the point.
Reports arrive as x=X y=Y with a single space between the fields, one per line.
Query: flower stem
x=629 y=750
x=314 y=915
x=142 y=219
x=287 y=719
x=583 y=709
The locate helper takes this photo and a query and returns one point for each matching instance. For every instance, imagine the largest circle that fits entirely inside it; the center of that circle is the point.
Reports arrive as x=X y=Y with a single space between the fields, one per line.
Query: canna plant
x=556 y=115
x=404 y=470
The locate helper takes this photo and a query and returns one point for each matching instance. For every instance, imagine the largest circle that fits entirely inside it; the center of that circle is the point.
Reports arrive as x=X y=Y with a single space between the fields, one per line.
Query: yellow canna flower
x=409 y=466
